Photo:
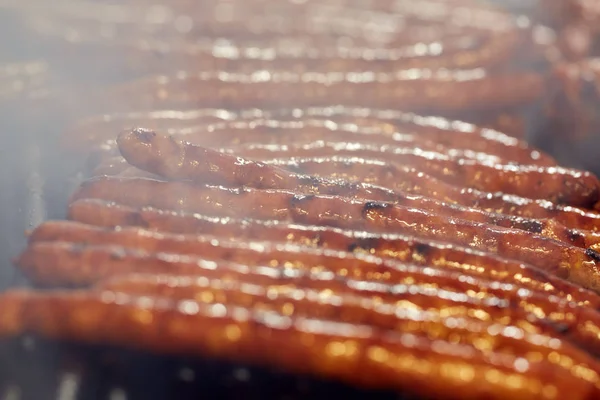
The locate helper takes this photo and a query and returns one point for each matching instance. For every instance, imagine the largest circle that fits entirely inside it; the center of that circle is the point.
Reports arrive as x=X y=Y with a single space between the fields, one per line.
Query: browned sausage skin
x=408 y=180
x=360 y=354
x=360 y=308
x=405 y=248
x=278 y=253
x=219 y=127
x=47 y=261
x=171 y=159
x=566 y=261
x=168 y=157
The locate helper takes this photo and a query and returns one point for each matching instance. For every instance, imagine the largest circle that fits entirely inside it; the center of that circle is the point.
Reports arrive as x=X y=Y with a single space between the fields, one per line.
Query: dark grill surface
x=66 y=372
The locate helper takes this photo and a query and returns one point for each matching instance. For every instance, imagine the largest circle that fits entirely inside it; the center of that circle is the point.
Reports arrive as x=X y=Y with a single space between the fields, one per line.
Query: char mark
x=531 y=225
x=297 y=199
x=310 y=180
x=574 y=235
x=136 y=219
x=593 y=254
x=559 y=327
x=423 y=248
x=374 y=206
x=144 y=135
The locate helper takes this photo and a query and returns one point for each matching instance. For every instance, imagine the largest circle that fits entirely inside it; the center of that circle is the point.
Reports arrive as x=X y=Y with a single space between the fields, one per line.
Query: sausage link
x=360 y=355
x=411 y=180
x=569 y=262
x=350 y=307
x=226 y=128
x=159 y=153
x=63 y=263
x=366 y=133
x=273 y=253
x=164 y=156
x=454 y=90
x=400 y=247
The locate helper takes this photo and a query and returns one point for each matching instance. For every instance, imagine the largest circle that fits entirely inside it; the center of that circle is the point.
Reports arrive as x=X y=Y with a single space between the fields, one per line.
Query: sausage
x=408 y=180
x=553 y=183
x=161 y=155
x=411 y=180
x=256 y=254
x=435 y=91
x=435 y=128
x=575 y=264
x=52 y=263
x=371 y=130
x=226 y=128
x=350 y=307
x=358 y=354
x=95 y=130
x=63 y=263
x=172 y=159
x=400 y=247
x=271 y=253
x=366 y=132
x=323 y=148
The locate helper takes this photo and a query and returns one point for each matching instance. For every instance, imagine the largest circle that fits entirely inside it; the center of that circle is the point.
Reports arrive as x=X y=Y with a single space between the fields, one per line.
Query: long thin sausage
x=389 y=126
x=273 y=253
x=553 y=183
x=569 y=262
x=357 y=354
x=411 y=180
x=362 y=130
x=350 y=307
x=75 y=264
x=164 y=156
x=400 y=247
x=439 y=91
x=408 y=180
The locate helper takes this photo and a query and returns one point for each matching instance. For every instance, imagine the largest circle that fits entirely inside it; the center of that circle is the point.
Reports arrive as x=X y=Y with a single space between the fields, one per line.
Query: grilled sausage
x=365 y=130
x=271 y=253
x=213 y=167
x=225 y=128
x=256 y=254
x=75 y=264
x=435 y=91
x=157 y=153
x=351 y=307
x=359 y=354
x=411 y=180
x=163 y=156
x=408 y=180
x=566 y=261
x=400 y=247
